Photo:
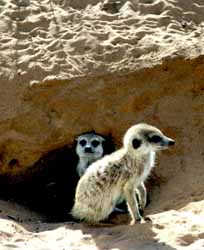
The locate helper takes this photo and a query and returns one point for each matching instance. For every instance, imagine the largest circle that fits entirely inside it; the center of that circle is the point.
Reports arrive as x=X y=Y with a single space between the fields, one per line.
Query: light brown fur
x=117 y=175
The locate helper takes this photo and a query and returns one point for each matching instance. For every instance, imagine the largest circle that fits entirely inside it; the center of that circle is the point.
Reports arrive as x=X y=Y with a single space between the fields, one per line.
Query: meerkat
x=118 y=174
x=91 y=147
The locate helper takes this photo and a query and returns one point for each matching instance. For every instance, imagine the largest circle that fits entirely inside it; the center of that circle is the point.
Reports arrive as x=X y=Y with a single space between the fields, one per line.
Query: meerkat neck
x=83 y=164
x=143 y=155
x=85 y=161
x=143 y=161
x=152 y=159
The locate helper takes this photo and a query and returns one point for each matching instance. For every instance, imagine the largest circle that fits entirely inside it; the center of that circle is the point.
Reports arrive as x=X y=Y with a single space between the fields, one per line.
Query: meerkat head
x=90 y=146
x=146 y=138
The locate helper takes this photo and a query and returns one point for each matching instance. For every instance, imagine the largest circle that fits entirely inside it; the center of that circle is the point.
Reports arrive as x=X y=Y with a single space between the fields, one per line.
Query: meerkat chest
x=82 y=165
x=146 y=166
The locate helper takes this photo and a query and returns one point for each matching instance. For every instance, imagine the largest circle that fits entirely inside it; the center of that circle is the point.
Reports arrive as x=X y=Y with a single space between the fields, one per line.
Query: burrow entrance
x=48 y=187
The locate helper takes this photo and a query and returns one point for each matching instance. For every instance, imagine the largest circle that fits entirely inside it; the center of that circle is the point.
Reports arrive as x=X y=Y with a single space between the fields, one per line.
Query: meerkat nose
x=88 y=150
x=171 y=142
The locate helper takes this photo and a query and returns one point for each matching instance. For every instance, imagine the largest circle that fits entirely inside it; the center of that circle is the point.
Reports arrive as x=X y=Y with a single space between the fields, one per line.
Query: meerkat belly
x=110 y=199
x=95 y=201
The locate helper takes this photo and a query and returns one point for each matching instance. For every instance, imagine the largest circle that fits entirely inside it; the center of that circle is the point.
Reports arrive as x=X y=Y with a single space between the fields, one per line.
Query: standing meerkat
x=117 y=175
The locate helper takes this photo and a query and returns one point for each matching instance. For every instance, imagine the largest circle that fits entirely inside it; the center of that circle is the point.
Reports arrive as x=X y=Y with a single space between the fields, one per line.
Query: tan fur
x=117 y=175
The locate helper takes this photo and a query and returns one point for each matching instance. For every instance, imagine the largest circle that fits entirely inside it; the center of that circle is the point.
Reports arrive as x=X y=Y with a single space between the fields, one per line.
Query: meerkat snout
x=160 y=141
x=146 y=139
x=88 y=149
x=171 y=142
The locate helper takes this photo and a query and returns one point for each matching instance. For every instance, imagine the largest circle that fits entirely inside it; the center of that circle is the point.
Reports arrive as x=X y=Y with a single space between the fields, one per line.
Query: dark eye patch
x=155 y=139
x=82 y=142
x=95 y=143
x=136 y=143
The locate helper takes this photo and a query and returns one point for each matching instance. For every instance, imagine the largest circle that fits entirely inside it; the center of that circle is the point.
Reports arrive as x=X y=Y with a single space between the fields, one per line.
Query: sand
x=68 y=67
x=173 y=229
x=65 y=39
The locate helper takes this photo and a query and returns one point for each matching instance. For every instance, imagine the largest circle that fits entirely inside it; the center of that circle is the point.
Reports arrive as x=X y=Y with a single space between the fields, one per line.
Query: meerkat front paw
x=132 y=222
x=136 y=220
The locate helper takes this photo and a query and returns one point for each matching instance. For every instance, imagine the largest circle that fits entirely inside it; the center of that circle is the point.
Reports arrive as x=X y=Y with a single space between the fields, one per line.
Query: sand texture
x=72 y=66
x=170 y=230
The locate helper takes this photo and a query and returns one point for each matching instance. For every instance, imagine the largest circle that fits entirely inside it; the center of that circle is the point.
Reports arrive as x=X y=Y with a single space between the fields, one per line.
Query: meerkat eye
x=82 y=142
x=95 y=143
x=136 y=143
x=155 y=139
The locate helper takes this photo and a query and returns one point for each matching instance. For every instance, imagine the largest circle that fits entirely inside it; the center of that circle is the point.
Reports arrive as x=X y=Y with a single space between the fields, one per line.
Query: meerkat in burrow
x=91 y=147
x=118 y=174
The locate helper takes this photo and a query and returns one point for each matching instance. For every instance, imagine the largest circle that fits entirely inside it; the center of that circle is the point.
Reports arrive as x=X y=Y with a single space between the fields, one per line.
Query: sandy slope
x=64 y=39
x=170 y=230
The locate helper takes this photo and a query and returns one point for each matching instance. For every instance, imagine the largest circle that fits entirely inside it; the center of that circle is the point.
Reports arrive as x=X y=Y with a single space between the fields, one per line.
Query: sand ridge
x=65 y=39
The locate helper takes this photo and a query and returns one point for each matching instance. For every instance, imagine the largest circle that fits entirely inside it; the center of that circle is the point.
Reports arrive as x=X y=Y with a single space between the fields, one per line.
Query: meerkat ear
x=136 y=143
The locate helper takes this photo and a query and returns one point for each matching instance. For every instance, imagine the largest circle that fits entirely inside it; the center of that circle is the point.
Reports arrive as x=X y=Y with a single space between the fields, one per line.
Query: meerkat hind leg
x=129 y=193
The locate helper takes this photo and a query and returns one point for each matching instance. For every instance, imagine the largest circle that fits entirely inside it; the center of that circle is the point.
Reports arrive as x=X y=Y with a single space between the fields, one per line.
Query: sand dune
x=65 y=39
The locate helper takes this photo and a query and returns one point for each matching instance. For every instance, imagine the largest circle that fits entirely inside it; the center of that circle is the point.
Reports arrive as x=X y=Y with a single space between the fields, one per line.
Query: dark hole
x=13 y=163
x=49 y=185
x=1 y=159
x=48 y=188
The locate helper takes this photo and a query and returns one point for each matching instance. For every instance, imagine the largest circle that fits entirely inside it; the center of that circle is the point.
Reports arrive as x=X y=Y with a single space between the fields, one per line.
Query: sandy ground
x=173 y=229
